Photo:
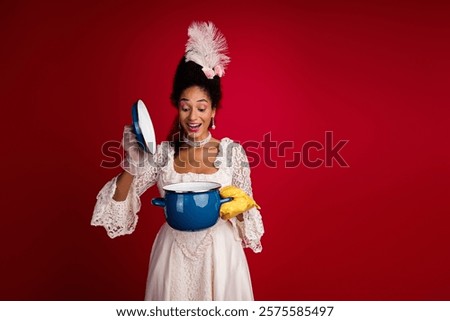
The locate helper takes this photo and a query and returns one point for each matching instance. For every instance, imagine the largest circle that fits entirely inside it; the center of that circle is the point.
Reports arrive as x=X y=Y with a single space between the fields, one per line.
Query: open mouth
x=194 y=126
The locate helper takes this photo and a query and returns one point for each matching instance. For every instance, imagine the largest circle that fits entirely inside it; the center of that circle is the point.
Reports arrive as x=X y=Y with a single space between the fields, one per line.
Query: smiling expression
x=195 y=112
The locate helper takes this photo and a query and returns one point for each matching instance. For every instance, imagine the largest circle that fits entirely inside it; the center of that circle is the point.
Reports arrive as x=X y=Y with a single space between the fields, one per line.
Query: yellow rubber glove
x=241 y=202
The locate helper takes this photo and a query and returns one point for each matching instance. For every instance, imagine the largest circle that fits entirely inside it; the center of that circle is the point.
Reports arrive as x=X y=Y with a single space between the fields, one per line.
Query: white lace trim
x=194 y=278
x=194 y=244
x=120 y=218
x=153 y=168
x=252 y=228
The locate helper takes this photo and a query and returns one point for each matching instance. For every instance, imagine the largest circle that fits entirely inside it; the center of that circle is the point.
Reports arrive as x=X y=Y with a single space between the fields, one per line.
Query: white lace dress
x=204 y=265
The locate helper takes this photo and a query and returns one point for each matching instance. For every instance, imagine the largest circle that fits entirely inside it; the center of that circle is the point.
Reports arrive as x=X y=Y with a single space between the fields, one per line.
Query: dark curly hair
x=189 y=74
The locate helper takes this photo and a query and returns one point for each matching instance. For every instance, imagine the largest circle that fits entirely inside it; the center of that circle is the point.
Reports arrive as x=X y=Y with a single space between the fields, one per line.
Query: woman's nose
x=192 y=115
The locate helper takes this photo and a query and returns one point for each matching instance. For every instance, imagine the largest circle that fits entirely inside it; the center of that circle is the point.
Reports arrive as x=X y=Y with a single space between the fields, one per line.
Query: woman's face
x=195 y=112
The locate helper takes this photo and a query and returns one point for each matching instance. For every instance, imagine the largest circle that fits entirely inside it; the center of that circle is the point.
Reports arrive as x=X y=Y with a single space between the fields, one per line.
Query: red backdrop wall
x=372 y=73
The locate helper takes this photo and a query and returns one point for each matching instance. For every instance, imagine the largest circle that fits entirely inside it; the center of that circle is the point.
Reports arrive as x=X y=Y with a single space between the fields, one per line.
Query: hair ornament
x=207 y=47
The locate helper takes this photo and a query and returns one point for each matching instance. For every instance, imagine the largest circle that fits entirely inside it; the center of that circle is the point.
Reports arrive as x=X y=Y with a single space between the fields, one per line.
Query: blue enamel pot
x=191 y=206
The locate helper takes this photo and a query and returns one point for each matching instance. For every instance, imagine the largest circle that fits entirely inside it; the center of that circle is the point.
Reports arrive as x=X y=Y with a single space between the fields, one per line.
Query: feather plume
x=207 y=47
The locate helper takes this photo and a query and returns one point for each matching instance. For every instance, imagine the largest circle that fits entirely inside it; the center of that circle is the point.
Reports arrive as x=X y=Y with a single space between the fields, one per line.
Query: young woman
x=203 y=265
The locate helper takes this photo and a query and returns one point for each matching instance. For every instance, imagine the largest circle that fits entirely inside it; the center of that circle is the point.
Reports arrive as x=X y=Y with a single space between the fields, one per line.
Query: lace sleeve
x=120 y=218
x=150 y=175
x=251 y=229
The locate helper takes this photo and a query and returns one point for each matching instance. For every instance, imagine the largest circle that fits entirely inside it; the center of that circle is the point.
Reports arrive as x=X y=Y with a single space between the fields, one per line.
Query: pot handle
x=225 y=200
x=159 y=201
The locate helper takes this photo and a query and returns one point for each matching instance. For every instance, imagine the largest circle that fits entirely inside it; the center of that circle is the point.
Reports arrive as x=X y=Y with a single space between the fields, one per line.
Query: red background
x=373 y=73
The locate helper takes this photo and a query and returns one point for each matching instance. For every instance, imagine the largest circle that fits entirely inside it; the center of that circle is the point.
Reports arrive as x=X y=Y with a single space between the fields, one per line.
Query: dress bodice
x=169 y=175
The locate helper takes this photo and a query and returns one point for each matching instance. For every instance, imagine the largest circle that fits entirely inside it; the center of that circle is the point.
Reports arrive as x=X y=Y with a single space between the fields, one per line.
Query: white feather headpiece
x=207 y=47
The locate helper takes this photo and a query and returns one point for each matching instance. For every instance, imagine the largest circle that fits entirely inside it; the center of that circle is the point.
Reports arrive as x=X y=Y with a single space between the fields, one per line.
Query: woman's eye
x=202 y=109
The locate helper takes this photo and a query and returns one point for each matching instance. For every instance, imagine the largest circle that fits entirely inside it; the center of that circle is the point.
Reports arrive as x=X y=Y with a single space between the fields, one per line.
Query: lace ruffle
x=252 y=228
x=118 y=218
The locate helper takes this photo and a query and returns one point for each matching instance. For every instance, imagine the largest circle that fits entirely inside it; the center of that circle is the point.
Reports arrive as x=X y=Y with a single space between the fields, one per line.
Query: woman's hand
x=240 y=203
x=136 y=158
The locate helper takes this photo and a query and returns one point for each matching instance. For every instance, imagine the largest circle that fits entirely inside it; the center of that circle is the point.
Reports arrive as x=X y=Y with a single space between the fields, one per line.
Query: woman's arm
x=250 y=223
x=118 y=201
x=123 y=185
